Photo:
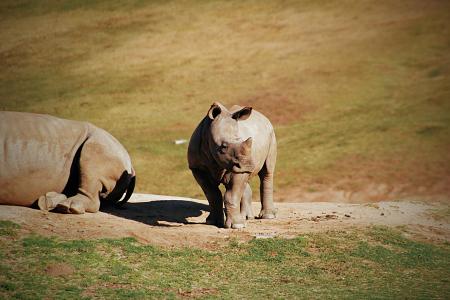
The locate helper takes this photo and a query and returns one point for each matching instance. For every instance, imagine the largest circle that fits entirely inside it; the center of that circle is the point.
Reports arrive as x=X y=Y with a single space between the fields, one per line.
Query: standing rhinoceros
x=62 y=164
x=229 y=147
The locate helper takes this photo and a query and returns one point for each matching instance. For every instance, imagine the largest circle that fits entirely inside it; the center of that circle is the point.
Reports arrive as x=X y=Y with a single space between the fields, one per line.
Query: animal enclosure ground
x=48 y=257
x=175 y=221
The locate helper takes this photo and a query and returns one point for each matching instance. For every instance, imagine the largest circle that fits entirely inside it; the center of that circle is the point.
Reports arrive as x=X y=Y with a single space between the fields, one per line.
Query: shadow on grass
x=154 y=212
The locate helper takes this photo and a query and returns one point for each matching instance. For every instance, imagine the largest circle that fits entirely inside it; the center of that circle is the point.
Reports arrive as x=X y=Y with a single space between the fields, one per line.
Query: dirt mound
x=174 y=221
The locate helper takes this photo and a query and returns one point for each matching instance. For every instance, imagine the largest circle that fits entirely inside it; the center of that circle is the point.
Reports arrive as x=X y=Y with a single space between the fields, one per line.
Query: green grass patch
x=374 y=263
x=8 y=228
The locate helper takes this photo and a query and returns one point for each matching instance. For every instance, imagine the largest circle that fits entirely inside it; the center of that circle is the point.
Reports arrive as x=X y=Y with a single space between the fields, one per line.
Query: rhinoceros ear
x=215 y=110
x=242 y=114
x=246 y=147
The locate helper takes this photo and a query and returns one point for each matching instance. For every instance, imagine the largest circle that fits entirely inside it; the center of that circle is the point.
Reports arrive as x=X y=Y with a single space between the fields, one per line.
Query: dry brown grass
x=340 y=80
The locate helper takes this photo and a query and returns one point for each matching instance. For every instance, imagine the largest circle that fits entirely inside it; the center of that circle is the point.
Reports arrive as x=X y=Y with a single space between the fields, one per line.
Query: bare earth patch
x=59 y=269
x=278 y=107
x=174 y=221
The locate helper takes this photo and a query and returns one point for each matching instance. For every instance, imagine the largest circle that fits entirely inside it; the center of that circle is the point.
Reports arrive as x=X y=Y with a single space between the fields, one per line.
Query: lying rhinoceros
x=229 y=147
x=60 y=164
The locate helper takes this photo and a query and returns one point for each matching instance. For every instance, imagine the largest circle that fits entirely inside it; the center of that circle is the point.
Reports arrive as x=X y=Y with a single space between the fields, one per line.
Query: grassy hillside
x=358 y=90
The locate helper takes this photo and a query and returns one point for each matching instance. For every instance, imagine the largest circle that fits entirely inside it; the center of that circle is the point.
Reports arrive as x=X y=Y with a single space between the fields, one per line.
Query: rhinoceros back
x=36 y=153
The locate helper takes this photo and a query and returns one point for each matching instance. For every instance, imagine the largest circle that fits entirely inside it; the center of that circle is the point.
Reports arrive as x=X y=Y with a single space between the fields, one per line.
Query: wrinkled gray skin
x=60 y=164
x=230 y=147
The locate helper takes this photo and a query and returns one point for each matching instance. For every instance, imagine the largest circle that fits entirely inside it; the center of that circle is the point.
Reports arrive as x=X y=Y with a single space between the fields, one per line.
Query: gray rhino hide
x=41 y=154
x=230 y=147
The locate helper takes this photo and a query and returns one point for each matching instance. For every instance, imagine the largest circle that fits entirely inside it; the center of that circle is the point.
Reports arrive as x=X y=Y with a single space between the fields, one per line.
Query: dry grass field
x=358 y=91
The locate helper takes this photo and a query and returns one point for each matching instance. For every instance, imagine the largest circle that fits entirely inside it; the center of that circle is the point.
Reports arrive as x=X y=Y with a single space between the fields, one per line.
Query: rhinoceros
x=229 y=147
x=61 y=164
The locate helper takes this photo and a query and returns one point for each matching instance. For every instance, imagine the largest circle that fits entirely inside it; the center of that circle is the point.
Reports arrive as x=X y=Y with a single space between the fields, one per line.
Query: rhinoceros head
x=228 y=149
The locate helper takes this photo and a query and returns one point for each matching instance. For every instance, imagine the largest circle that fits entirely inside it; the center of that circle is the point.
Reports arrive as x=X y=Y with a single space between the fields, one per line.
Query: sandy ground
x=175 y=221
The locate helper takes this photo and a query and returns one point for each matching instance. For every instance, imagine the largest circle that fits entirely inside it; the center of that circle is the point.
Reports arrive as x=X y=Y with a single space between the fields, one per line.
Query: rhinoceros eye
x=223 y=148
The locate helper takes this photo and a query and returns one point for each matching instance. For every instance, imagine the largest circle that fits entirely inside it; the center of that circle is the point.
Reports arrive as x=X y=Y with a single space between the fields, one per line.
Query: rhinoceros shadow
x=155 y=212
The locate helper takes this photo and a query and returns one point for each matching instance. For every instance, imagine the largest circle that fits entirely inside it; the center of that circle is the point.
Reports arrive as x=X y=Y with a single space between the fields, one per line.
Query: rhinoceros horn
x=246 y=147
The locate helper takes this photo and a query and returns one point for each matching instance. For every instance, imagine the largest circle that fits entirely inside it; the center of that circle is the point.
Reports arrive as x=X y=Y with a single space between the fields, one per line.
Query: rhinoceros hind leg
x=79 y=204
x=268 y=210
x=70 y=207
x=50 y=200
x=94 y=166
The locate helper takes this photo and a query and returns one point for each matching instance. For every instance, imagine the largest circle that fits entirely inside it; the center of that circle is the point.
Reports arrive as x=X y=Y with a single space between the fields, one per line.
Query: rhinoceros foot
x=247 y=216
x=50 y=200
x=238 y=226
x=77 y=208
x=235 y=223
x=268 y=213
x=247 y=213
x=70 y=207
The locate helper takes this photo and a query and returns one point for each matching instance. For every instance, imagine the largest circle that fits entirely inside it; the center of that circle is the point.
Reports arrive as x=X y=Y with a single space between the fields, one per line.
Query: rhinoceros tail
x=125 y=184
x=130 y=190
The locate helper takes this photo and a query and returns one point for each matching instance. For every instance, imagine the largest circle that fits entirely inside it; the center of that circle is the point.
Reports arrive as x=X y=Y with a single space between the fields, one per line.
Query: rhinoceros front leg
x=233 y=196
x=246 y=203
x=213 y=195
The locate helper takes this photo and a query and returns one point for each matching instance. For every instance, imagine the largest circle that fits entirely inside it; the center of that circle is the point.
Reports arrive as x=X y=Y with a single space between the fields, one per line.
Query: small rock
x=169 y=224
x=265 y=235
x=180 y=141
x=348 y=216
x=382 y=214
